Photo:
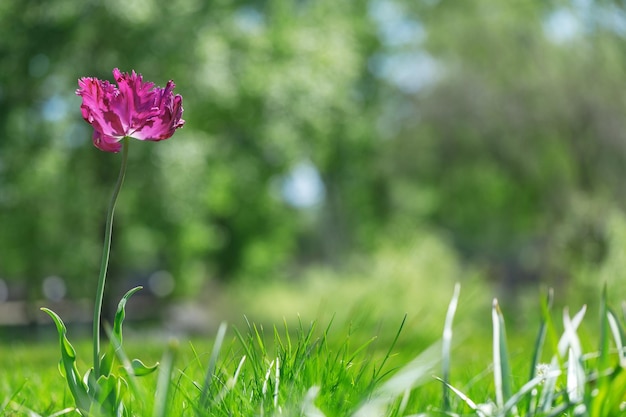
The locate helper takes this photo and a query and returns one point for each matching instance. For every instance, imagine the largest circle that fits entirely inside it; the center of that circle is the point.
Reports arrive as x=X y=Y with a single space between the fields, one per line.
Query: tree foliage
x=493 y=121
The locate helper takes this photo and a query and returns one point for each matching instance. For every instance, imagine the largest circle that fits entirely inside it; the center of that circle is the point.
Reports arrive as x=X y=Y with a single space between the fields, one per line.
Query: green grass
x=570 y=363
x=255 y=371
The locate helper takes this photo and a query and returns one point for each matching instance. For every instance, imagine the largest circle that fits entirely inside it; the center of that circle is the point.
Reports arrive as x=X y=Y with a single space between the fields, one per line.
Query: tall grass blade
x=446 y=345
x=610 y=397
x=546 y=307
x=30 y=413
x=410 y=376
x=258 y=333
x=230 y=384
x=618 y=336
x=526 y=388
x=603 y=383
x=308 y=404
x=467 y=400
x=8 y=401
x=377 y=373
x=558 y=362
x=251 y=353
x=574 y=323
x=501 y=368
x=277 y=383
x=615 y=401
x=161 y=397
x=575 y=371
x=63 y=412
x=210 y=374
x=264 y=388
x=603 y=360
x=545 y=326
x=559 y=410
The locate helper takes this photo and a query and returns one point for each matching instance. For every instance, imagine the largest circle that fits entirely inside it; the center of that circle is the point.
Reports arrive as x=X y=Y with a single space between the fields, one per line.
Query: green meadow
x=385 y=208
x=397 y=346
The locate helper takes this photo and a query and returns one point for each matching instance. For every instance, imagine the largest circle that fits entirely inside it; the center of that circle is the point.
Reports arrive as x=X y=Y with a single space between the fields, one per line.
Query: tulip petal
x=106 y=143
x=96 y=107
x=138 y=104
x=134 y=108
x=162 y=125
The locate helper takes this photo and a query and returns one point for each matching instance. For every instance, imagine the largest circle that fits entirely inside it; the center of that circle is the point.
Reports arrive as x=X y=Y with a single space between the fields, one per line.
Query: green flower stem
x=97 y=312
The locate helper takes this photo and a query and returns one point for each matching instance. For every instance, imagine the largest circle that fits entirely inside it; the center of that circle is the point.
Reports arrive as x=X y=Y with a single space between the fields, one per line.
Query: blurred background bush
x=323 y=139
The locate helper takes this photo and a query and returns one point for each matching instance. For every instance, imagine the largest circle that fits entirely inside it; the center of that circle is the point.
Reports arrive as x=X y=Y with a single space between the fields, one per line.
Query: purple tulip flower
x=134 y=108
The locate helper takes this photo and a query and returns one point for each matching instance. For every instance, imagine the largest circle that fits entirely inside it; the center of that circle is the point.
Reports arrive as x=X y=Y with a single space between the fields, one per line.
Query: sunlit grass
x=403 y=345
x=333 y=368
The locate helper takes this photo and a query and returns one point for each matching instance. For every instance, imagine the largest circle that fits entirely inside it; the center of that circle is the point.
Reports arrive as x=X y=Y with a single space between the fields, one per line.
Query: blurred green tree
x=500 y=123
x=267 y=87
x=523 y=123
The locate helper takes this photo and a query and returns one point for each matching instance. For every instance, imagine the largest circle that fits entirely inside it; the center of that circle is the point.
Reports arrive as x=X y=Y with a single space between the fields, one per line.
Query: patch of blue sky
x=395 y=27
x=303 y=187
x=403 y=63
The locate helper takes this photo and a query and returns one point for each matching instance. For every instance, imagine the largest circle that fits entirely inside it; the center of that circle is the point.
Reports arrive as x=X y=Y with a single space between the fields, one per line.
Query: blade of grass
x=559 y=410
x=250 y=353
x=259 y=333
x=558 y=362
x=210 y=374
x=546 y=307
x=265 y=384
x=303 y=347
x=501 y=368
x=230 y=384
x=410 y=376
x=609 y=392
x=526 y=388
x=161 y=397
x=575 y=372
x=546 y=324
x=603 y=360
x=618 y=336
x=308 y=404
x=603 y=383
x=63 y=412
x=614 y=402
x=277 y=384
x=467 y=400
x=446 y=344
x=377 y=372
x=11 y=398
